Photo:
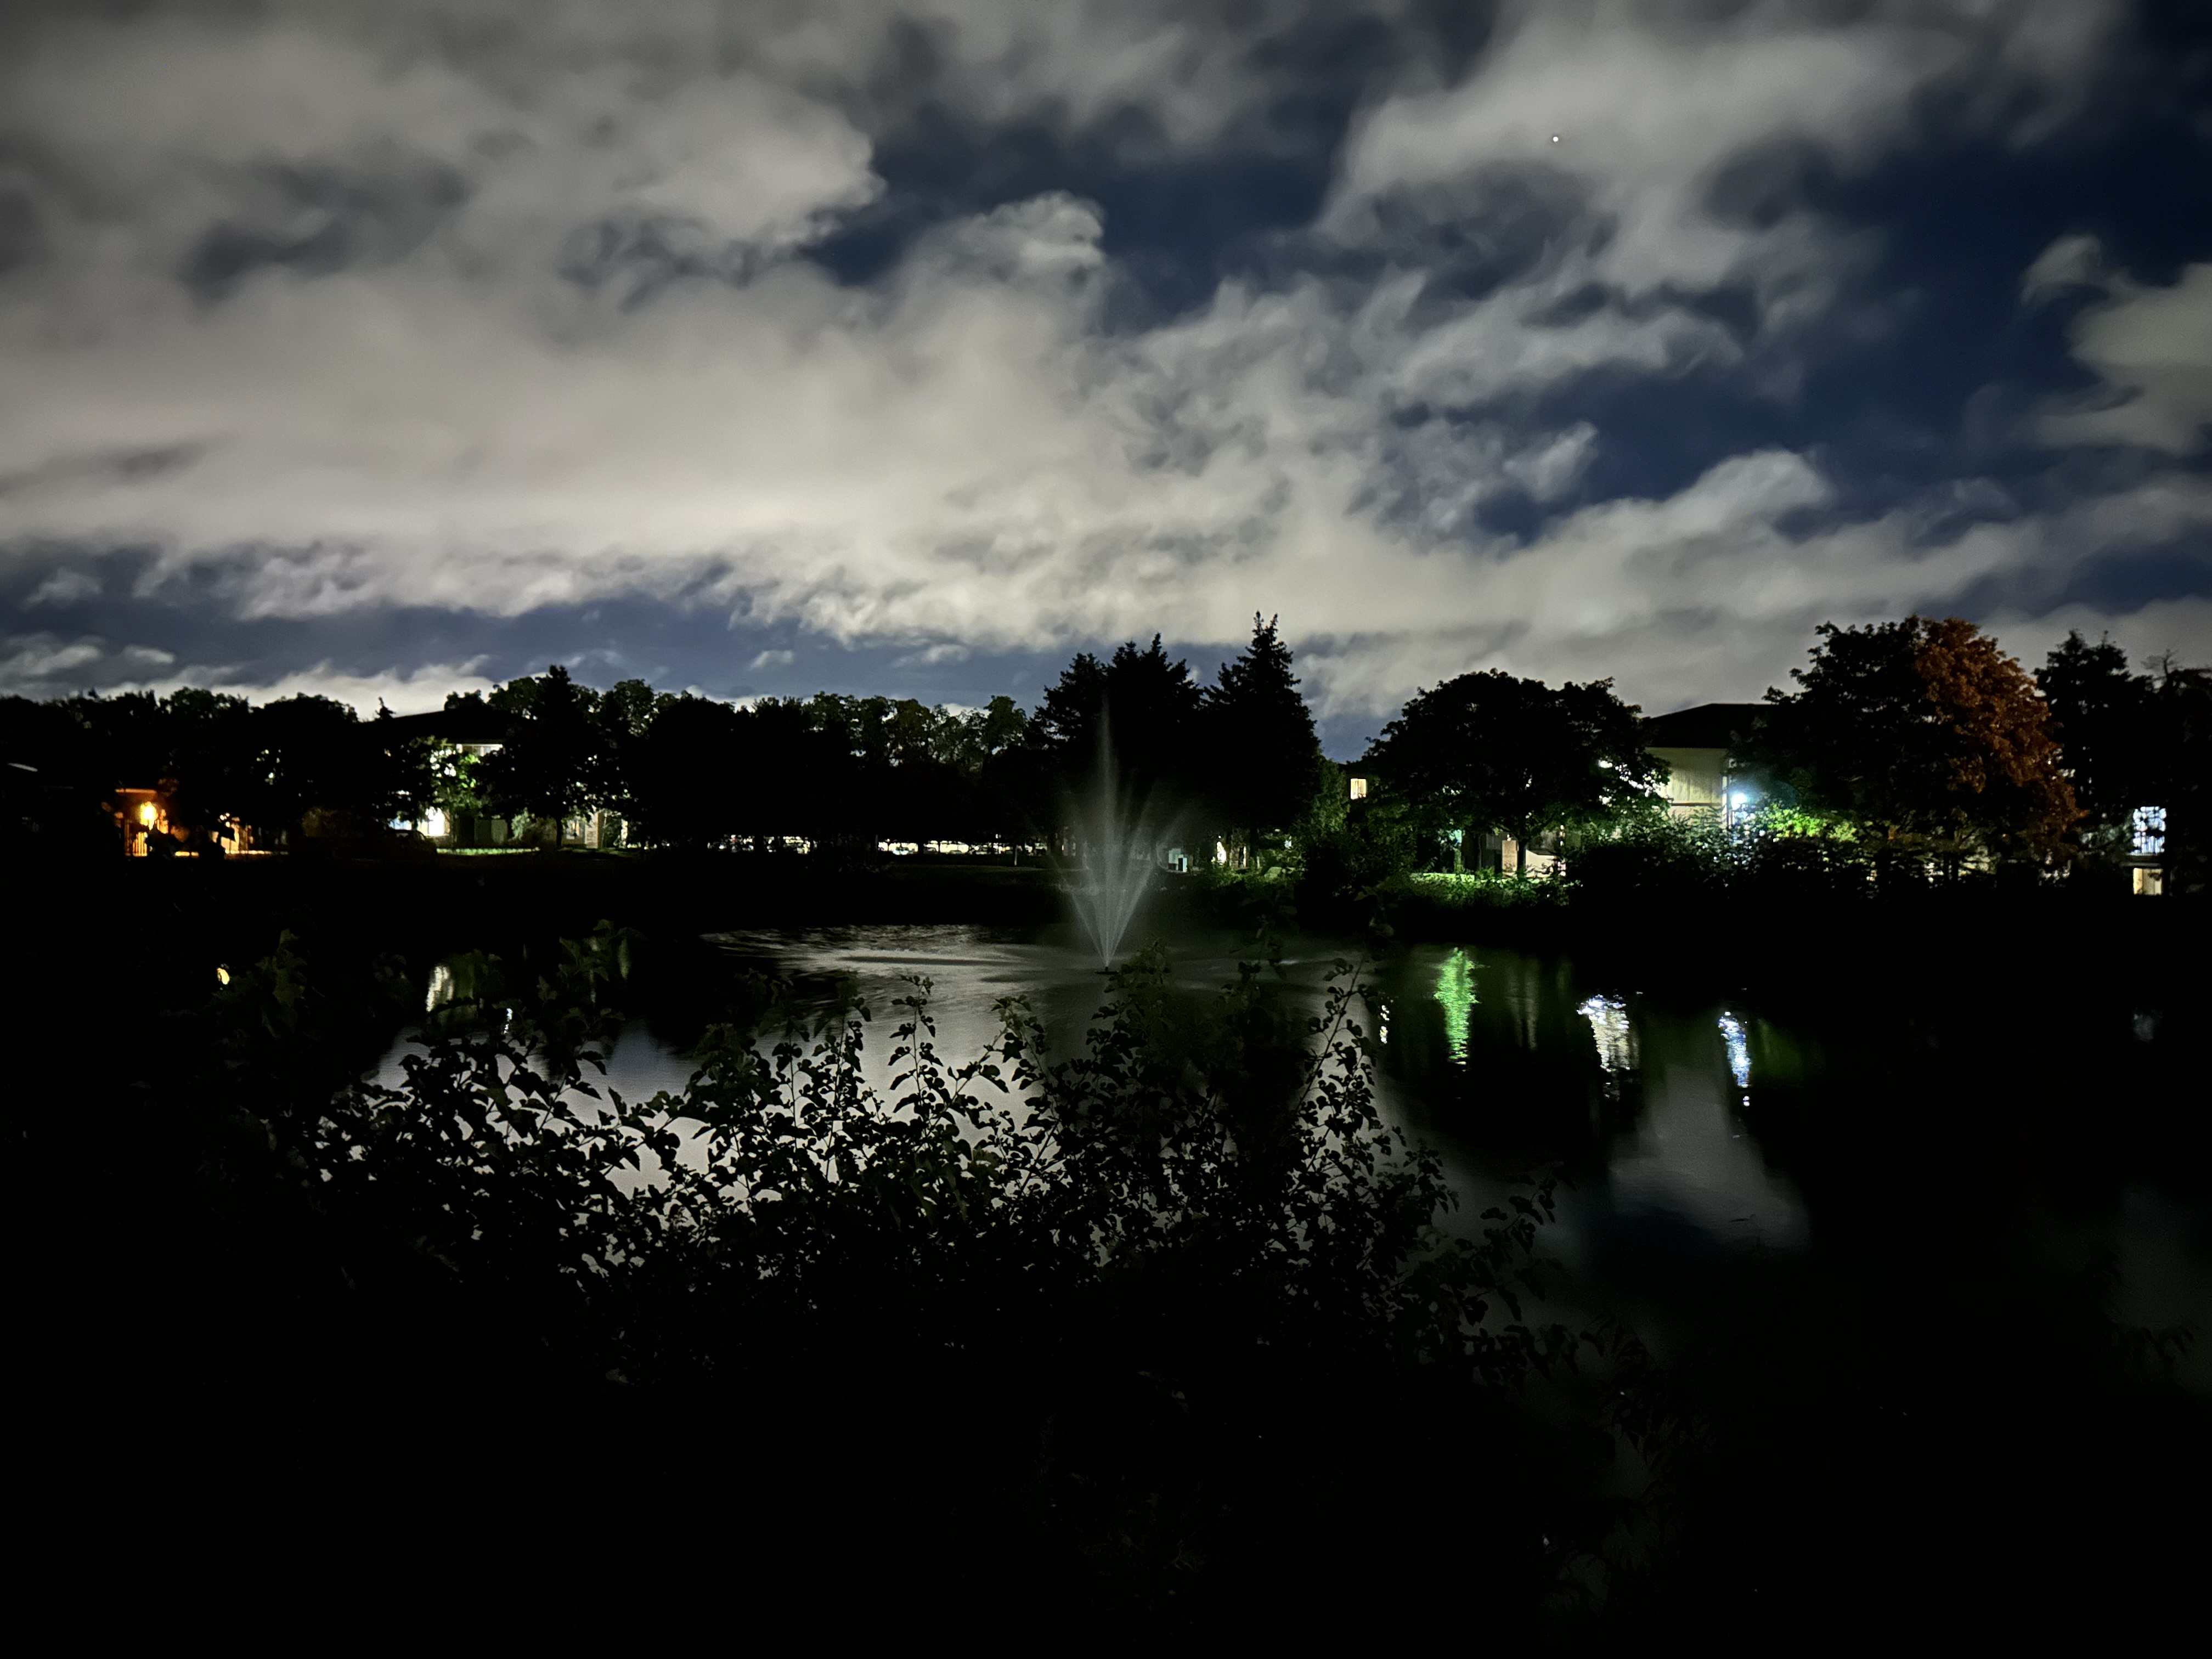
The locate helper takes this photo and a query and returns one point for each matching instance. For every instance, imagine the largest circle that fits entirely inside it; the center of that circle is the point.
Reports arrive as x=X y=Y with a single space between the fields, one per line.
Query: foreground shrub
x=1161 y=1321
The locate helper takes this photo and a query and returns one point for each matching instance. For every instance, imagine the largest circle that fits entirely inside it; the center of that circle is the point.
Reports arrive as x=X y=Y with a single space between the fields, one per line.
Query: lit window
x=2146 y=831
x=1360 y=789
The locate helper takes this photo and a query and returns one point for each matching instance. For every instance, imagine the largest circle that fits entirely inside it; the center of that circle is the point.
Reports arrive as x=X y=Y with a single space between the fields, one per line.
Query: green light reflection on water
x=1455 y=991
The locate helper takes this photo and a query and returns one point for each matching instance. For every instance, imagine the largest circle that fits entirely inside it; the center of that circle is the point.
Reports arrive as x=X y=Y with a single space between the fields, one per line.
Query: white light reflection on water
x=1690 y=1156
x=1687 y=1155
x=1615 y=1037
x=1738 y=1049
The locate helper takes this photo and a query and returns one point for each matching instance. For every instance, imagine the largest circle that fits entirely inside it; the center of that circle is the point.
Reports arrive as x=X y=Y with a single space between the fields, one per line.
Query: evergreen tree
x=2102 y=717
x=1259 y=745
x=2179 y=778
x=1137 y=713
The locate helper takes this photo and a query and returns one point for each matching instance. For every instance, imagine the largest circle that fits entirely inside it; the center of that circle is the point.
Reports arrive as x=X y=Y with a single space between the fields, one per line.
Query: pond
x=1675 y=1120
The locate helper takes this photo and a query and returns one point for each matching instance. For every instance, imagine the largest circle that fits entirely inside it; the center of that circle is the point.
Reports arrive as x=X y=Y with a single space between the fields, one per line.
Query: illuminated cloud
x=2150 y=348
x=45 y=665
x=499 y=310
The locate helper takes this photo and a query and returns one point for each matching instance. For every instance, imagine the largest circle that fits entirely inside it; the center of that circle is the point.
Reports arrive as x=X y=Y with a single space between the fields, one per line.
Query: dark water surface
x=1691 y=1132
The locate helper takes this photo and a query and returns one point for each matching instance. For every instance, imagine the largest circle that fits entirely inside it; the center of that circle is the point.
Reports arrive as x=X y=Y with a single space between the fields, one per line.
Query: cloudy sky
x=380 y=347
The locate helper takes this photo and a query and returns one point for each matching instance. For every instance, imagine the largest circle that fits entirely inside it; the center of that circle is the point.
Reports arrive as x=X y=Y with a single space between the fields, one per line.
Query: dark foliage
x=1258 y=737
x=1488 y=751
x=682 y=786
x=2101 y=716
x=2181 y=777
x=1077 y=1315
x=300 y=762
x=2136 y=740
x=553 y=764
x=1138 y=713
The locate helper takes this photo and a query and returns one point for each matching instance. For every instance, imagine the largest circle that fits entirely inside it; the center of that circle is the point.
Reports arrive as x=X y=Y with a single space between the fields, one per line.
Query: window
x=1360 y=789
x=2146 y=831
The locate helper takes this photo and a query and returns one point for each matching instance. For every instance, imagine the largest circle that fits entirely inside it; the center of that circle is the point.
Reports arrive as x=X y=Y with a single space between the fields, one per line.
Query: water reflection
x=1520 y=1064
x=1639 y=1100
x=1738 y=1050
x=1689 y=1158
x=1615 y=1037
x=1499 y=1059
x=1456 y=992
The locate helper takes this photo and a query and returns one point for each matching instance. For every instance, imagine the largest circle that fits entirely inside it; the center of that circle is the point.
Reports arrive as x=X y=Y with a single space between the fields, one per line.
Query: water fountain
x=1111 y=872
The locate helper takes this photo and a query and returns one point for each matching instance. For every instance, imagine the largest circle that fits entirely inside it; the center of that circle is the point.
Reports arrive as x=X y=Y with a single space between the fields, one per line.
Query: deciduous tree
x=1490 y=752
x=1928 y=732
x=551 y=765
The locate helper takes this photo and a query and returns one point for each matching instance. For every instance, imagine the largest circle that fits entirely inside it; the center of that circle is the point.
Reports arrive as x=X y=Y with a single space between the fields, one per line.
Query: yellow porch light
x=147 y=812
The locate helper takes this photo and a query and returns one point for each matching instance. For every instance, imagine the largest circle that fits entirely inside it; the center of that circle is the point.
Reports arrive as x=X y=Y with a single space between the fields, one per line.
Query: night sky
x=906 y=346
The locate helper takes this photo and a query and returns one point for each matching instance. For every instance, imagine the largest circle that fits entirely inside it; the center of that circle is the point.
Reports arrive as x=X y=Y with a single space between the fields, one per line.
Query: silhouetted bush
x=1156 y=1322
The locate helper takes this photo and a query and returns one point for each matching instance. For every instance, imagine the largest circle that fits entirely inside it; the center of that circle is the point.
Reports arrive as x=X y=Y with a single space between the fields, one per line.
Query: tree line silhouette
x=1917 y=740
x=1228 y=759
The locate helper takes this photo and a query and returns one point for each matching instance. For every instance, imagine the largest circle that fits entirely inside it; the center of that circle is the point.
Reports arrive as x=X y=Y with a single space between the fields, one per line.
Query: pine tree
x=1141 y=707
x=2102 y=714
x=1259 y=745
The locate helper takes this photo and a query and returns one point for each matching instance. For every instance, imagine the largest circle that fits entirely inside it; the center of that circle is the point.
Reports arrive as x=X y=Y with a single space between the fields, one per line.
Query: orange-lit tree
x=1927 y=733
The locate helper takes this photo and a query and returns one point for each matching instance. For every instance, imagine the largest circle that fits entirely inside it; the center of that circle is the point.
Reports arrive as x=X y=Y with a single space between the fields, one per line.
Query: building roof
x=1708 y=725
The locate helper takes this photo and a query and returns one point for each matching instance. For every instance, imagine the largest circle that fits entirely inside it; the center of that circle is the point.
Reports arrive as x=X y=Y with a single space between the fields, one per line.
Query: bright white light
x=1610 y=1030
x=434 y=822
x=2147 y=826
x=1738 y=1049
x=1739 y=800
